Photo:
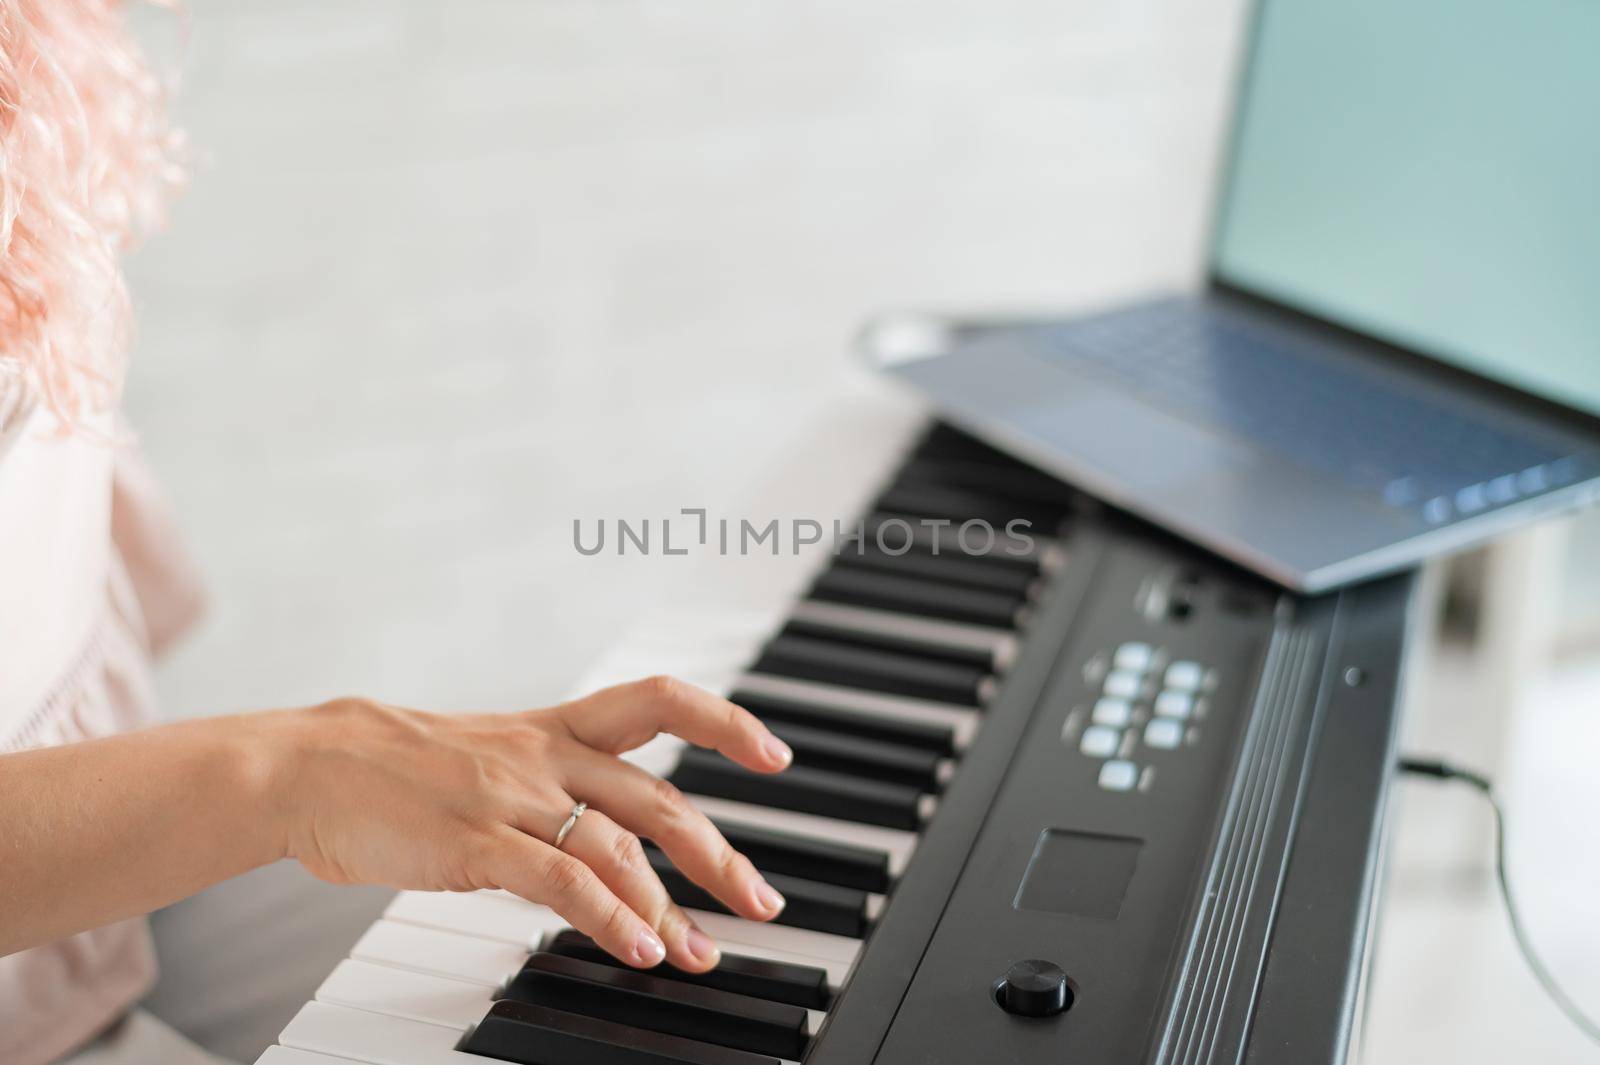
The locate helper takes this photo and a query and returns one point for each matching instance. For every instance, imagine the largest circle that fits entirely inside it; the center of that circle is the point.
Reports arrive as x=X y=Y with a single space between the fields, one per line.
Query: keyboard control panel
x=1146 y=702
x=1110 y=796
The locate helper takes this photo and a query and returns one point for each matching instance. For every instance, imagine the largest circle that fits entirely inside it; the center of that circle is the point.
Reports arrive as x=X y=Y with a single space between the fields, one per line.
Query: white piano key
x=324 y=1033
x=731 y=931
x=506 y=919
x=417 y=996
x=425 y=997
x=286 y=1056
x=837 y=971
x=998 y=645
x=897 y=843
x=432 y=950
x=511 y=920
x=490 y=914
x=490 y=965
x=374 y=1038
x=658 y=756
x=895 y=707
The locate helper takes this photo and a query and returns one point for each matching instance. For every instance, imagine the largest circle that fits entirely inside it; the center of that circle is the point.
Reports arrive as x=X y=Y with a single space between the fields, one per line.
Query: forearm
x=360 y=792
x=94 y=832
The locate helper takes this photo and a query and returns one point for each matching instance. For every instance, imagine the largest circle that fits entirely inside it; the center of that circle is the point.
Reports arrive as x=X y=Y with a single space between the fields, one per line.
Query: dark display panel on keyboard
x=1075 y=744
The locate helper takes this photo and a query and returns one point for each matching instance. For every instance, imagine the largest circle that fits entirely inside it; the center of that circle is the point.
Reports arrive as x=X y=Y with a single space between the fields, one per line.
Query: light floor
x=452 y=275
x=1448 y=985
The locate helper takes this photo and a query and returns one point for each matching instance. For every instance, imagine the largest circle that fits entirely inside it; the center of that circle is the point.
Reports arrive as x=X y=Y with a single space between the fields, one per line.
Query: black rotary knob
x=1034 y=988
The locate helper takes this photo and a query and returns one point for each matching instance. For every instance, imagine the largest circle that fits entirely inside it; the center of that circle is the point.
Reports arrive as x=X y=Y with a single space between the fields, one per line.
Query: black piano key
x=798 y=985
x=824 y=861
x=644 y=1000
x=771 y=708
x=957 y=505
x=971 y=571
x=893 y=591
x=531 y=1034
x=896 y=531
x=808 y=904
x=851 y=754
x=837 y=661
x=1022 y=483
x=943 y=440
x=944 y=443
x=981 y=657
x=812 y=791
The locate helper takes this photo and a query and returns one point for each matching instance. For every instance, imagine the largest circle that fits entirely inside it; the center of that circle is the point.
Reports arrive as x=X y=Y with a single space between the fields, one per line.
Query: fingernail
x=701 y=946
x=648 y=948
x=769 y=900
x=777 y=750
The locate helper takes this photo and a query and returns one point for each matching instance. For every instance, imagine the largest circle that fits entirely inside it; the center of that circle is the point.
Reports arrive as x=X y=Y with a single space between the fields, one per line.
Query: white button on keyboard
x=1122 y=684
x=1099 y=741
x=1185 y=676
x=1112 y=712
x=1471 y=499
x=1134 y=656
x=1163 y=733
x=1118 y=775
x=1174 y=704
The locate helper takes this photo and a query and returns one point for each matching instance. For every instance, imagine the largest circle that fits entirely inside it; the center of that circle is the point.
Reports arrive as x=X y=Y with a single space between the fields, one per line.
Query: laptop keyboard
x=1295 y=397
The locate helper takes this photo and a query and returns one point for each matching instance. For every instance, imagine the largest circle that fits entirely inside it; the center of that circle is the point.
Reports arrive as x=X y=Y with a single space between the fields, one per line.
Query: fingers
x=653 y=808
x=600 y=880
x=539 y=873
x=617 y=857
x=628 y=715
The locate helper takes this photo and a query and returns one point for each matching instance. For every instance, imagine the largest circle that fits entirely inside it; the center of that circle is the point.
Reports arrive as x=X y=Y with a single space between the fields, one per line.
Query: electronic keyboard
x=1074 y=793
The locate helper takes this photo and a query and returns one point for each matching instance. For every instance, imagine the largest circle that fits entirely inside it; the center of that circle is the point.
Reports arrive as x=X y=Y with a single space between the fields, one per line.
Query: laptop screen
x=1428 y=172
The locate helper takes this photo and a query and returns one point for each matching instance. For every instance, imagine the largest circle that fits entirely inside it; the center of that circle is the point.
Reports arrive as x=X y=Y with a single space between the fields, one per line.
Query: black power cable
x=1425 y=767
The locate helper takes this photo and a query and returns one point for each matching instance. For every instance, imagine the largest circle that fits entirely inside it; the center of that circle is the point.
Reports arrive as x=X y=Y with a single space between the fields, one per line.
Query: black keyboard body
x=1215 y=911
x=1168 y=791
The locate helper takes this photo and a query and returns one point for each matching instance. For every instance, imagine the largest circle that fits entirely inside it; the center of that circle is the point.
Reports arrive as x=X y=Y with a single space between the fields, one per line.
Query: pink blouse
x=91 y=587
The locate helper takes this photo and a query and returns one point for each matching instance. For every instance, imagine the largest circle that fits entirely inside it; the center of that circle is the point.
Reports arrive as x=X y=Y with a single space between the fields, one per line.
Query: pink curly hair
x=86 y=162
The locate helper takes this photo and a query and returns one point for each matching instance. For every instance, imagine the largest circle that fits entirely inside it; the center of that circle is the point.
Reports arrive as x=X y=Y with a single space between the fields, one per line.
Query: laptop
x=1397 y=349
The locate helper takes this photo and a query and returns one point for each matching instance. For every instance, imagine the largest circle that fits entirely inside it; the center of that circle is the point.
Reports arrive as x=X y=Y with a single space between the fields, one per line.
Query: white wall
x=452 y=274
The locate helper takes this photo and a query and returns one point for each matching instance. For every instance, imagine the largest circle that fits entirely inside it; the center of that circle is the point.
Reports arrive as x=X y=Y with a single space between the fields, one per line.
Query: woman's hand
x=377 y=794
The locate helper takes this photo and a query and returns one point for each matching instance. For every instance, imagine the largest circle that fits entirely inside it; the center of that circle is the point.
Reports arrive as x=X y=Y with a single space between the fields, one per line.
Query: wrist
x=271 y=748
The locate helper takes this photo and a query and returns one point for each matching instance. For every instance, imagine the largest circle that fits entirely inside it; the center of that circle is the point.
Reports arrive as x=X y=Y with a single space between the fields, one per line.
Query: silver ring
x=572 y=819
